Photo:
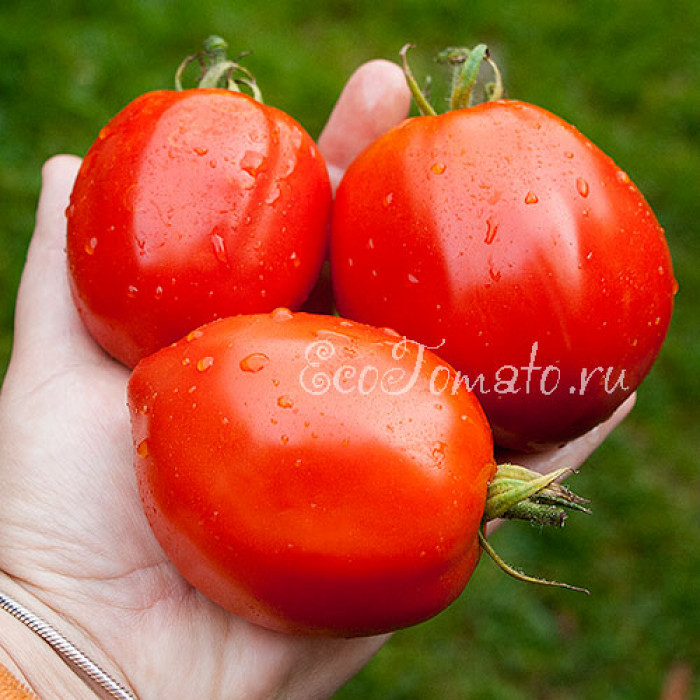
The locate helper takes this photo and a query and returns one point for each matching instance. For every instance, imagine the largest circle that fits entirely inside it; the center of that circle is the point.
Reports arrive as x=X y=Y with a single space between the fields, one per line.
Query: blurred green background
x=628 y=75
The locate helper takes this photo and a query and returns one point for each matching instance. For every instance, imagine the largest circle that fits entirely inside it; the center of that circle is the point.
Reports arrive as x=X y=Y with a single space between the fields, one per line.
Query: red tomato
x=193 y=205
x=503 y=236
x=308 y=474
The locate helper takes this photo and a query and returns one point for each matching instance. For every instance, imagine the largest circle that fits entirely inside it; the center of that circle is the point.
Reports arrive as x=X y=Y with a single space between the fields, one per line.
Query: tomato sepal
x=517 y=493
x=217 y=70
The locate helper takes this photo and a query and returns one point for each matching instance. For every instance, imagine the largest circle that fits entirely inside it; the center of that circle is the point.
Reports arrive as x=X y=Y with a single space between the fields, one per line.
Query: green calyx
x=217 y=71
x=516 y=493
x=466 y=65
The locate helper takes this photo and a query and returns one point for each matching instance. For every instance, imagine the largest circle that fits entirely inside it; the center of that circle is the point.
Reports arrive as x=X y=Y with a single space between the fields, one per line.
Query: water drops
x=285 y=401
x=582 y=186
x=142 y=449
x=252 y=163
x=494 y=274
x=296 y=262
x=205 y=363
x=282 y=314
x=219 y=246
x=131 y=291
x=273 y=195
x=622 y=177
x=193 y=335
x=438 y=452
x=412 y=278
x=387 y=199
x=200 y=150
x=90 y=246
x=284 y=439
x=531 y=198
x=438 y=168
x=491 y=231
x=158 y=293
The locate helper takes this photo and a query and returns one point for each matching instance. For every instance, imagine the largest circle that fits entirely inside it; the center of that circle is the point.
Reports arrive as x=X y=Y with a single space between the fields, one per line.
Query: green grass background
x=628 y=75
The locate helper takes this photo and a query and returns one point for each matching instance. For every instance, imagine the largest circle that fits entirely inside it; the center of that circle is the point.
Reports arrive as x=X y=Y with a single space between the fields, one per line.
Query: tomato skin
x=190 y=206
x=497 y=232
x=306 y=510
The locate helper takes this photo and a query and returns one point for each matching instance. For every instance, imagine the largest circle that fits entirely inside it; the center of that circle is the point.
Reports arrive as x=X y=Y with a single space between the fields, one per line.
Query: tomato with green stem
x=194 y=204
x=501 y=235
x=309 y=474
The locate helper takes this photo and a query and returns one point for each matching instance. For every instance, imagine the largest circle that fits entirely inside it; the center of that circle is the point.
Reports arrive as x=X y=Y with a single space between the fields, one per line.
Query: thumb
x=374 y=99
x=48 y=331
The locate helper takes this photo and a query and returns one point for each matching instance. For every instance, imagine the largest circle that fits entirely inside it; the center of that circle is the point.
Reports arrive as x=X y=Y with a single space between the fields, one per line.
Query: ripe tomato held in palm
x=501 y=235
x=192 y=205
x=303 y=472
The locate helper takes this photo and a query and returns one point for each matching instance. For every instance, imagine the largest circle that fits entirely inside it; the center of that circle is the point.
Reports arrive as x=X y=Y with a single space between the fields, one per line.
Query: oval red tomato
x=503 y=236
x=193 y=205
x=309 y=474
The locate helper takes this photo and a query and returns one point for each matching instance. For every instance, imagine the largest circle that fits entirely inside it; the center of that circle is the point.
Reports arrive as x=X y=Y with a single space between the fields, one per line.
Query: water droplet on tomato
x=142 y=449
x=370 y=243
x=219 y=246
x=438 y=168
x=90 y=246
x=388 y=197
x=392 y=332
x=185 y=361
x=295 y=260
x=252 y=162
x=622 y=177
x=273 y=195
x=491 y=231
x=158 y=292
x=205 y=363
x=254 y=362
x=284 y=439
x=193 y=335
x=285 y=401
x=132 y=291
x=582 y=186
x=495 y=275
x=568 y=154
x=438 y=452
x=201 y=150
x=282 y=314
x=531 y=198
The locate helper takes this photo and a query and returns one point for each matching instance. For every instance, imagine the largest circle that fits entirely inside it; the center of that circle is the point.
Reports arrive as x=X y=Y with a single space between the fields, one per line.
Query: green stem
x=424 y=107
x=467 y=71
x=218 y=71
x=519 y=575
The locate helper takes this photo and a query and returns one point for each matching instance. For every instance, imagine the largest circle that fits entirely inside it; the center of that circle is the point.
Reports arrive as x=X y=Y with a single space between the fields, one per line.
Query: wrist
x=26 y=652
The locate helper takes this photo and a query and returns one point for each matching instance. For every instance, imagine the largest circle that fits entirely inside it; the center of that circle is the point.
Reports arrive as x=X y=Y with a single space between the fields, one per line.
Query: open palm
x=74 y=543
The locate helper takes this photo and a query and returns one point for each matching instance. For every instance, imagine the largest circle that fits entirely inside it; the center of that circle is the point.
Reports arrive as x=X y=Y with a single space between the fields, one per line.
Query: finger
x=374 y=99
x=48 y=330
x=576 y=452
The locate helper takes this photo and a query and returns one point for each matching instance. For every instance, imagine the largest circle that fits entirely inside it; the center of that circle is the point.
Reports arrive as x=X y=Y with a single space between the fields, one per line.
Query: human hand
x=75 y=547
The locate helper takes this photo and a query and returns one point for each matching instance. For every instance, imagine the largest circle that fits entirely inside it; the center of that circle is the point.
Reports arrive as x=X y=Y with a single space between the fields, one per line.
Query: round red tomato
x=193 y=205
x=502 y=236
x=311 y=474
